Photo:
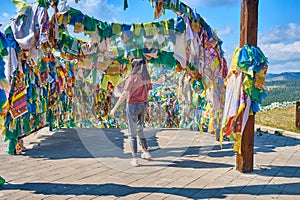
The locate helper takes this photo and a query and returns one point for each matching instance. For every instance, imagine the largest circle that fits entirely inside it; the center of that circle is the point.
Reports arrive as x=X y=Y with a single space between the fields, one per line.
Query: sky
x=278 y=23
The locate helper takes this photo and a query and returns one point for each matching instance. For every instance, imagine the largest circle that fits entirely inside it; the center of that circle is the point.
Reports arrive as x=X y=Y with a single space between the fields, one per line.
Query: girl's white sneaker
x=134 y=162
x=146 y=155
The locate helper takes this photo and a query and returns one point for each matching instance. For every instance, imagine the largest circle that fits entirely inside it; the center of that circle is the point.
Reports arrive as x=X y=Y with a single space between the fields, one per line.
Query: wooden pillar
x=248 y=35
x=298 y=114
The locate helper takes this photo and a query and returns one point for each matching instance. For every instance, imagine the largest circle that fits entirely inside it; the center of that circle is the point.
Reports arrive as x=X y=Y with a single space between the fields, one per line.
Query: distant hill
x=283 y=76
x=282 y=87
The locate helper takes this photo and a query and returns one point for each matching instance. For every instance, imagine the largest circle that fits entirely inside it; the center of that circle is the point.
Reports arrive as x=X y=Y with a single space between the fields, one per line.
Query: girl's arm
x=122 y=98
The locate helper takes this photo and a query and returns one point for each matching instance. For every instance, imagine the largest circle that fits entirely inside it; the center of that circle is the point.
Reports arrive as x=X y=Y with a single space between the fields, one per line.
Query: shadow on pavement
x=267 y=142
x=198 y=164
x=60 y=145
x=263 y=143
x=188 y=164
x=119 y=190
x=68 y=143
x=278 y=171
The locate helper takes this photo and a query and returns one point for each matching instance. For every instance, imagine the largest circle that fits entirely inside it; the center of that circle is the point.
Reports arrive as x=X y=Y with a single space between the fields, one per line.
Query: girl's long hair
x=139 y=66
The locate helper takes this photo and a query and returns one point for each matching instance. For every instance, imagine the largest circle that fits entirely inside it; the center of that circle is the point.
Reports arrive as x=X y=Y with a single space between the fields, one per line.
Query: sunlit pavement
x=95 y=164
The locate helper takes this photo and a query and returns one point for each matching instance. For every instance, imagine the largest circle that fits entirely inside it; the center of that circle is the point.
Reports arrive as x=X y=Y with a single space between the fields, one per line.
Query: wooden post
x=248 y=35
x=298 y=114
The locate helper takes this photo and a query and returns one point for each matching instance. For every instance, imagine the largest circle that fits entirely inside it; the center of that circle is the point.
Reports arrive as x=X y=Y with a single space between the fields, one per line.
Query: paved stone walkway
x=94 y=164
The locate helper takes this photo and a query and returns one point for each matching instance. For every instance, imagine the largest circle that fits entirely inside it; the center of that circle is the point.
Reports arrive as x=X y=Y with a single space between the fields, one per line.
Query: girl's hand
x=112 y=112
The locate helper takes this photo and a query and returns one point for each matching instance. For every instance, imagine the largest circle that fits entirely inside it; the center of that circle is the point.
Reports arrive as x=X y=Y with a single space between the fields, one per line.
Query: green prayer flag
x=26 y=125
x=125 y=4
x=2 y=181
x=12 y=146
x=43 y=3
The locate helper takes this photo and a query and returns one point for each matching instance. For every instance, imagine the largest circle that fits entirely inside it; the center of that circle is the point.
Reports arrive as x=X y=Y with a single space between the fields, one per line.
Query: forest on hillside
x=280 y=91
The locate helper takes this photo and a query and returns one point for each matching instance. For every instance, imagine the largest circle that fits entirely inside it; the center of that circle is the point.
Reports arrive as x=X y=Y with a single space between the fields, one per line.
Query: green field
x=281 y=118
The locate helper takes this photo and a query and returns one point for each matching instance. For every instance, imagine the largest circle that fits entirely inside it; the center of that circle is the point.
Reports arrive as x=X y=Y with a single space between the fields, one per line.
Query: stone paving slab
x=94 y=164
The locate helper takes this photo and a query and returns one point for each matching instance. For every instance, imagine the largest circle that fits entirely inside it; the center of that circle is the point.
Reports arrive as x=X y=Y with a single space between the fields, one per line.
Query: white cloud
x=277 y=68
x=281 y=52
x=225 y=31
x=5 y=19
x=282 y=57
x=210 y=3
x=100 y=9
x=289 y=32
x=282 y=46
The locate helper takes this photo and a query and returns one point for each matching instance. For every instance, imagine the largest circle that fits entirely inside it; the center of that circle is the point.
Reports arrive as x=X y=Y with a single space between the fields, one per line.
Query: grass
x=281 y=118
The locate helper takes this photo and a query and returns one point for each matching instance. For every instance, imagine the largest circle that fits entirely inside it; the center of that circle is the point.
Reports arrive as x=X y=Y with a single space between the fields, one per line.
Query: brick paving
x=94 y=164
